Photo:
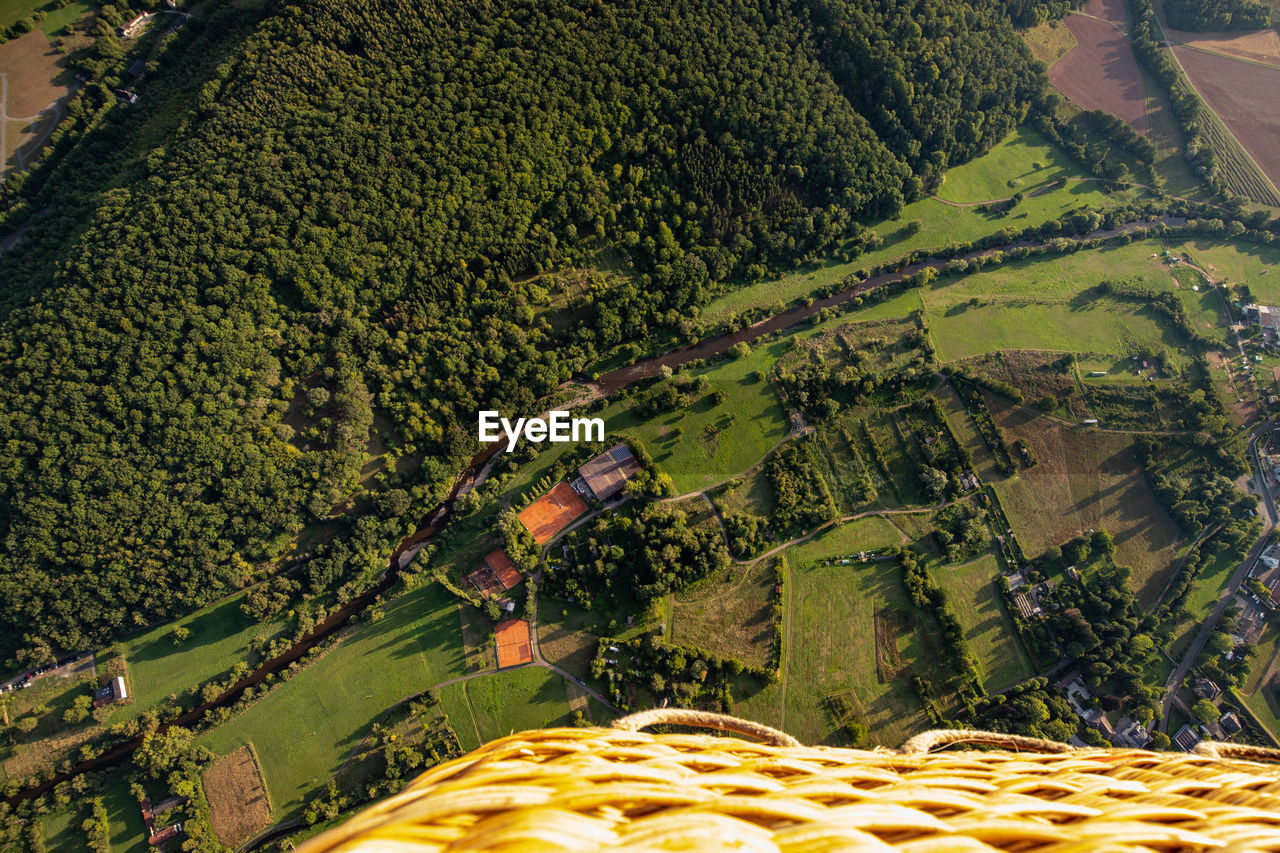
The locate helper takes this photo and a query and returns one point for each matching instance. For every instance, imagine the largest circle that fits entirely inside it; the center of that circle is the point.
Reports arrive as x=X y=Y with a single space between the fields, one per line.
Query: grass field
x=1261 y=689
x=1238 y=262
x=220 y=637
x=303 y=731
x=830 y=627
x=729 y=615
x=941 y=224
x=62 y=833
x=128 y=832
x=1103 y=327
x=1022 y=162
x=506 y=702
x=1086 y=480
x=988 y=628
x=1205 y=593
x=1049 y=41
x=705 y=444
x=1041 y=305
x=12 y=11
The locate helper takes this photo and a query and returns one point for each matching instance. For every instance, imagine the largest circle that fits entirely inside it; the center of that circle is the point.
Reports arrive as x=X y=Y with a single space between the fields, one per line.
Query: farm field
x=706 y=444
x=237 y=801
x=506 y=702
x=1257 y=46
x=1086 y=480
x=32 y=66
x=1101 y=72
x=729 y=615
x=1038 y=305
x=831 y=626
x=989 y=630
x=303 y=733
x=1022 y=162
x=220 y=636
x=1246 y=96
x=1112 y=10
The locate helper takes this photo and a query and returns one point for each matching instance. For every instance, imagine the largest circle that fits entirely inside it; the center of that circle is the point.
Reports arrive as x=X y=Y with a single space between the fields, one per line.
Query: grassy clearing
x=62 y=833
x=128 y=832
x=513 y=701
x=1206 y=592
x=12 y=11
x=1108 y=327
x=1166 y=135
x=1049 y=41
x=220 y=636
x=729 y=615
x=1261 y=690
x=987 y=626
x=1086 y=480
x=1036 y=305
x=1237 y=262
x=1023 y=162
x=831 y=629
x=984 y=463
x=706 y=444
x=303 y=731
x=941 y=224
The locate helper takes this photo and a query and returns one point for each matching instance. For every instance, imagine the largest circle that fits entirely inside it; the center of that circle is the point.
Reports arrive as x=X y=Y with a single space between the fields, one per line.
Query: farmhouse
x=134 y=25
x=604 y=476
x=1264 y=315
x=114 y=691
x=1230 y=723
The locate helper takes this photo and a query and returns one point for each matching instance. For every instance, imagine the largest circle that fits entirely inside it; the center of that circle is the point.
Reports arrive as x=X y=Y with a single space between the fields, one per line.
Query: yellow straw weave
x=590 y=789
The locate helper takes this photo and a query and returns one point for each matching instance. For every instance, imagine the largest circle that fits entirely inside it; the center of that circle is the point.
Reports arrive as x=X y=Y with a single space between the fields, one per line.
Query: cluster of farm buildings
x=602 y=479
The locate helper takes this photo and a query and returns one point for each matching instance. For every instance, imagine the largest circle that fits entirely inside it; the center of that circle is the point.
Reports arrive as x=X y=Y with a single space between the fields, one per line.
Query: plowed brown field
x=1246 y=96
x=1112 y=10
x=1100 y=72
x=1262 y=46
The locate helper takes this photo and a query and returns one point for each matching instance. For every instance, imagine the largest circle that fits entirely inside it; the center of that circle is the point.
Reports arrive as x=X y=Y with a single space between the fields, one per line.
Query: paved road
x=1269 y=518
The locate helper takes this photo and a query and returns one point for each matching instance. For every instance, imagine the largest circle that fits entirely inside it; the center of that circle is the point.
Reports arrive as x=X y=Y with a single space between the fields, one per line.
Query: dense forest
x=202 y=328
x=1217 y=15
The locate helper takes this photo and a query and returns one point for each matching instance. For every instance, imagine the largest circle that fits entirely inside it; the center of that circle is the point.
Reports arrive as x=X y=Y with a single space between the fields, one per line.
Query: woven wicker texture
x=590 y=789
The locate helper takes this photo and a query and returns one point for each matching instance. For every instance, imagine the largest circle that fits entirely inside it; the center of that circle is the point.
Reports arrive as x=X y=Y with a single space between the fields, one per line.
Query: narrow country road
x=1228 y=598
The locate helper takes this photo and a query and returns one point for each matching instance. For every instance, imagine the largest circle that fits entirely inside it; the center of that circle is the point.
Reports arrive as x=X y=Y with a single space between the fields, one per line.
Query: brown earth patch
x=32 y=66
x=1246 y=96
x=1101 y=73
x=513 y=643
x=237 y=797
x=1112 y=10
x=1261 y=46
x=891 y=623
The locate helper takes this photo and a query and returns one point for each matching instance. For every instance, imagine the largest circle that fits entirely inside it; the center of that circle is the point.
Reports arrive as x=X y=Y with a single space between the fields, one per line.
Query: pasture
x=220 y=636
x=1206 y=592
x=941 y=224
x=304 y=731
x=1101 y=72
x=1238 y=262
x=705 y=444
x=1023 y=162
x=1049 y=41
x=988 y=628
x=831 y=631
x=1086 y=480
x=497 y=705
x=729 y=614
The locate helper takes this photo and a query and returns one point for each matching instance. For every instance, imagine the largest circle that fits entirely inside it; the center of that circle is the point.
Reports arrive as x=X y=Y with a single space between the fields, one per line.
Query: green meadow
x=304 y=730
